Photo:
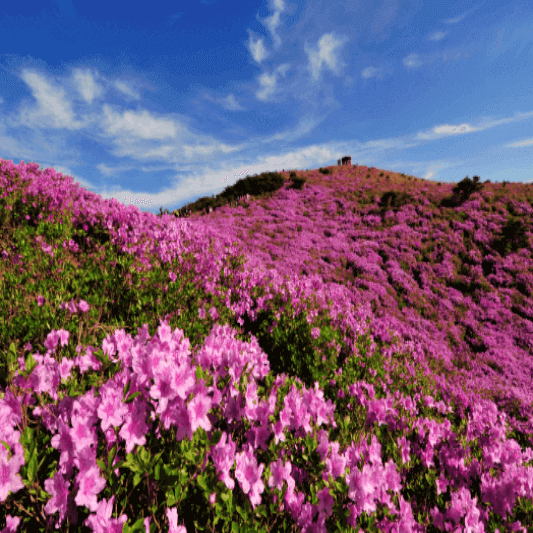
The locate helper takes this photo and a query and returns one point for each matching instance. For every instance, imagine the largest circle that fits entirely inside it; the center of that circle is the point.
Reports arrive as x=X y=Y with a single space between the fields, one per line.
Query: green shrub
x=263 y=185
x=325 y=170
x=513 y=237
x=462 y=192
x=298 y=183
x=393 y=200
x=467 y=187
x=289 y=344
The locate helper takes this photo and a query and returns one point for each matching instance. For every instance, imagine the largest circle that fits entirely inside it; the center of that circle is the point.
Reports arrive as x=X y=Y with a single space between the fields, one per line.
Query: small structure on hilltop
x=346 y=160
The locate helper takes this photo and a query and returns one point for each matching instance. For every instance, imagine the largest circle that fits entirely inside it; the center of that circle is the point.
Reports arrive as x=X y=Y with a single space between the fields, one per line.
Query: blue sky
x=159 y=107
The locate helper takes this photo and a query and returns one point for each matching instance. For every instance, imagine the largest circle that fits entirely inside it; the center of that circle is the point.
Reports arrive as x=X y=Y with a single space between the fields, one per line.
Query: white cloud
x=231 y=104
x=412 y=60
x=455 y=20
x=140 y=124
x=268 y=82
x=306 y=124
x=257 y=50
x=53 y=109
x=520 y=144
x=124 y=88
x=370 y=72
x=437 y=36
x=445 y=130
x=327 y=54
x=272 y=22
x=86 y=85
x=461 y=17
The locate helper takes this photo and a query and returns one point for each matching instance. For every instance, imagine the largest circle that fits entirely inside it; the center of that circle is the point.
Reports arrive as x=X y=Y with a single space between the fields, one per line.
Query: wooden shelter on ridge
x=346 y=160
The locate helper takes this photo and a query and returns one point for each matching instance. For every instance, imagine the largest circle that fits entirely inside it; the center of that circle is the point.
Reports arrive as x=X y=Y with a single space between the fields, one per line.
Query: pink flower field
x=351 y=352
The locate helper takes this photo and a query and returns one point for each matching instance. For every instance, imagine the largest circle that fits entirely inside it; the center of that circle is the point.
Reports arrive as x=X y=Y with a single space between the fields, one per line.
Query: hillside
x=373 y=330
x=455 y=280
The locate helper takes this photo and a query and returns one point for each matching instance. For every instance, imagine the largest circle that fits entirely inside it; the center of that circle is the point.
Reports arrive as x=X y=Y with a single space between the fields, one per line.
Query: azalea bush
x=155 y=378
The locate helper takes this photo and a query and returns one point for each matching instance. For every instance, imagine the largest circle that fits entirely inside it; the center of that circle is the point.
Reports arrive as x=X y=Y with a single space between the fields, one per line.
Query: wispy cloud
x=462 y=16
x=437 y=36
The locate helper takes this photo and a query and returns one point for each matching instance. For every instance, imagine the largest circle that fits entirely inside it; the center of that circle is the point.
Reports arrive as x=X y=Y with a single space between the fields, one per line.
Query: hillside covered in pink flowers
x=452 y=272
x=378 y=326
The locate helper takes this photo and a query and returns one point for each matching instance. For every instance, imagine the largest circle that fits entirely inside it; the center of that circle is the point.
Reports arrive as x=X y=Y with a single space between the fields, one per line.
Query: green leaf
x=227 y=498
x=180 y=492
x=127 y=388
x=168 y=476
x=133 y=396
x=242 y=512
x=119 y=464
x=11 y=356
x=31 y=364
x=261 y=511
x=144 y=455
x=136 y=479
x=200 y=374
x=189 y=455
x=346 y=425
x=157 y=471
x=32 y=468
x=28 y=442
x=112 y=455
x=155 y=460
x=7 y=447
x=215 y=438
x=131 y=463
x=183 y=477
x=202 y=482
x=171 y=499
